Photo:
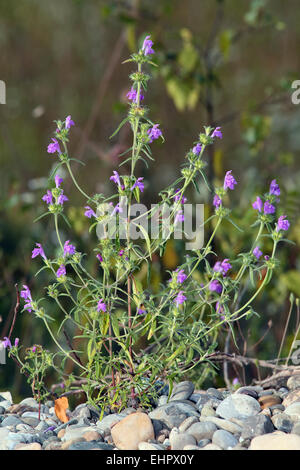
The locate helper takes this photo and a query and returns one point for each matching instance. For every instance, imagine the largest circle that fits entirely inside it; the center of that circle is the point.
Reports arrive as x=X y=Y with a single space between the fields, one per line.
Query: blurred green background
x=226 y=63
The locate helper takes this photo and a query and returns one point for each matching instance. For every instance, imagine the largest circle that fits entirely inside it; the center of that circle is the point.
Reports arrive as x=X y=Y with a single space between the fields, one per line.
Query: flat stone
x=91 y=445
x=215 y=393
x=187 y=423
x=32 y=446
x=291 y=397
x=282 y=422
x=256 y=425
x=178 y=440
x=276 y=441
x=293 y=382
x=208 y=410
x=33 y=422
x=107 y=422
x=130 y=431
x=56 y=445
x=149 y=446
x=293 y=409
x=251 y=390
x=238 y=406
x=10 y=421
x=224 y=439
x=66 y=444
x=182 y=391
x=22 y=427
x=269 y=400
x=34 y=414
x=202 y=430
x=223 y=424
x=29 y=402
x=174 y=413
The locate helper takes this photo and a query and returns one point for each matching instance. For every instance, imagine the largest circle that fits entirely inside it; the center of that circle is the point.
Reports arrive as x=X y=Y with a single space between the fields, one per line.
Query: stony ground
x=250 y=418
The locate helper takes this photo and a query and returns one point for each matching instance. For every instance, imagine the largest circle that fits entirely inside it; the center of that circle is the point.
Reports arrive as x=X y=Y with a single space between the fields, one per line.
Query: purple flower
x=116 y=178
x=220 y=309
x=235 y=381
x=62 y=198
x=282 y=224
x=121 y=252
x=58 y=181
x=6 y=343
x=217 y=133
x=267 y=257
x=179 y=216
x=274 y=188
x=132 y=95
x=229 y=180
x=26 y=295
x=181 y=276
x=69 y=249
x=215 y=286
x=53 y=146
x=180 y=298
x=117 y=209
x=69 y=122
x=33 y=349
x=99 y=258
x=48 y=198
x=61 y=271
x=141 y=311
x=197 y=149
x=268 y=208
x=147 y=46
x=138 y=184
x=89 y=212
x=179 y=197
x=17 y=342
x=101 y=306
x=257 y=252
x=154 y=133
x=217 y=201
x=257 y=204
x=38 y=251
x=222 y=267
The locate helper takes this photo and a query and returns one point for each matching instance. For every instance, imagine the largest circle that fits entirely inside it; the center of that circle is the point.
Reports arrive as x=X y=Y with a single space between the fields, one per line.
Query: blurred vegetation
x=222 y=62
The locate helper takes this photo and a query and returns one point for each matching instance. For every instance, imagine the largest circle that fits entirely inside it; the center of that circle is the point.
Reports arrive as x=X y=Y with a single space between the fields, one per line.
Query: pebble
x=35 y=414
x=22 y=427
x=66 y=444
x=202 y=430
x=293 y=382
x=208 y=410
x=72 y=432
x=11 y=421
x=215 y=393
x=204 y=442
x=223 y=424
x=182 y=391
x=191 y=447
x=291 y=397
x=269 y=400
x=104 y=426
x=212 y=447
x=91 y=445
x=2 y=410
x=296 y=428
x=238 y=406
x=187 y=423
x=130 y=431
x=293 y=409
x=174 y=413
x=256 y=425
x=276 y=441
x=282 y=422
x=178 y=440
x=224 y=439
x=6 y=404
x=33 y=422
x=92 y=436
x=162 y=400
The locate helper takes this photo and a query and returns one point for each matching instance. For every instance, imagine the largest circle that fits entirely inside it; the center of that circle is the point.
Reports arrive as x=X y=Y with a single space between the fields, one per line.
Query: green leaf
x=119 y=127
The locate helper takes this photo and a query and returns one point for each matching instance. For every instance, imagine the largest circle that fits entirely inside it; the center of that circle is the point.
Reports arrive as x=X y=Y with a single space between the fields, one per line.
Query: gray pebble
x=204 y=442
x=282 y=422
x=202 y=430
x=224 y=439
x=11 y=421
x=238 y=406
x=182 y=391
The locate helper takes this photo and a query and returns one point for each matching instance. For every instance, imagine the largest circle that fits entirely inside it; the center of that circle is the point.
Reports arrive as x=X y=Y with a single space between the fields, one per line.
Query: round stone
x=238 y=406
x=130 y=431
x=293 y=409
x=179 y=440
x=187 y=423
x=92 y=436
x=202 y=430
x=291 y=397
x=224 y=439
x=282 y=422
x=150 y=446
x=174 y=413
x=32 y=446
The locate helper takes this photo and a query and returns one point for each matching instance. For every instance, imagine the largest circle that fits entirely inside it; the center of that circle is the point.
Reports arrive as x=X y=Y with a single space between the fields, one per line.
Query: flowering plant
x=113 y=310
